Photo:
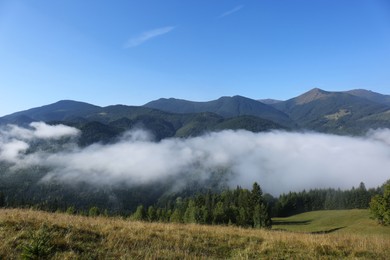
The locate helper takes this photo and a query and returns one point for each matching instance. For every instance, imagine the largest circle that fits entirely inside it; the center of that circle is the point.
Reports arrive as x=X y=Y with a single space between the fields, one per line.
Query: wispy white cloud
x=147 y=35
x=232 y=11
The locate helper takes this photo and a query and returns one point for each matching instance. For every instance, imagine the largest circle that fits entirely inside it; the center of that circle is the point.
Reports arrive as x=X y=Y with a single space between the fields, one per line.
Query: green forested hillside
x=104 y=124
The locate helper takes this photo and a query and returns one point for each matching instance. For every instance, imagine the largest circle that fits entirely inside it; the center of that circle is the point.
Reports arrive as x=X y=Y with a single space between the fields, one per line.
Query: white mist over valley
x=280 y=161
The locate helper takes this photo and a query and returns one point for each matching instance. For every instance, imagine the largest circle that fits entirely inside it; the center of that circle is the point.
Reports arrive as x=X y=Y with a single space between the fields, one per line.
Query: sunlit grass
x=355 y=221
x=75 y=237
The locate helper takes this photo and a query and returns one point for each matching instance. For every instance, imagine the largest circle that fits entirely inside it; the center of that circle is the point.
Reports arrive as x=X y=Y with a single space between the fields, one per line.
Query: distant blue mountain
x=225 y=106
x=348 y=112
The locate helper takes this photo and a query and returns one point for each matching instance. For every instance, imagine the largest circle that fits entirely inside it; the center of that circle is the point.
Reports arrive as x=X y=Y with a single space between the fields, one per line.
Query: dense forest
x=239 y=207
x=323 y=199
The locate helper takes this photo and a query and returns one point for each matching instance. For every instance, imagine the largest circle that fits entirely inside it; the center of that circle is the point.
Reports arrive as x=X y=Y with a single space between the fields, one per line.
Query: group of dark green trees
x=323 y=199
x=240 y=207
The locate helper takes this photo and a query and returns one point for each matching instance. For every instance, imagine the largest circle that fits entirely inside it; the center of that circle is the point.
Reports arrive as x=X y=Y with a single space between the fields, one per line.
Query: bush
x=39 y=246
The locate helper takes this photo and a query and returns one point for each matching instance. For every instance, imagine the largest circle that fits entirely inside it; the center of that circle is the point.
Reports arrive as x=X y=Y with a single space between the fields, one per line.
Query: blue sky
x=132 y=52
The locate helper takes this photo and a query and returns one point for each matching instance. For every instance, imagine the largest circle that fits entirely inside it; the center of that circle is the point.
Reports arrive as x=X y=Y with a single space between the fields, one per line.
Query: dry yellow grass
x=78 y=237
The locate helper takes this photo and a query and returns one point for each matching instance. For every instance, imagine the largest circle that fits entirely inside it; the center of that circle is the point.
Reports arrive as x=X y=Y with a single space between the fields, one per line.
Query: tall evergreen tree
x=219 y=216
x=151 y=214
x=256 y=195
x=192 y=213
x=259 y=211
x=139 y=214
x=204 y=215
x=177 y=216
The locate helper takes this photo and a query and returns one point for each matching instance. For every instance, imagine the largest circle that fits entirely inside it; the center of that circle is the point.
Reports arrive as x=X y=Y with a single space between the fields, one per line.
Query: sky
x=132 y=52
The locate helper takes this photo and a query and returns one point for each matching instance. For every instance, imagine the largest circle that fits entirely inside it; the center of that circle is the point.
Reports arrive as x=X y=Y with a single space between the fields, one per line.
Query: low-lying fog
x=278 y=161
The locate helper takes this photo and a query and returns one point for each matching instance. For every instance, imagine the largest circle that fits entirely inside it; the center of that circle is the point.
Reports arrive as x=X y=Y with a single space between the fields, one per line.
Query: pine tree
x=151 y=216
x=159 y=214
x=219 y=215
x=204 y=215
x=176 y=216
x=139 y=214
x=256 y=195
x=192 y=212
x=258 y=210
x=257 y=217
x=243 y=218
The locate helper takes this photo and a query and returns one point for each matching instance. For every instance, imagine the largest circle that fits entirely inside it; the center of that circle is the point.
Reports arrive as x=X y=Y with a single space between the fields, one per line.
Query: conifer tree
x=219 y=213
x=151 y=215
x=139 y=214
x=176 y=216
x=191 y=213
x=204 y=215
x=258 y=211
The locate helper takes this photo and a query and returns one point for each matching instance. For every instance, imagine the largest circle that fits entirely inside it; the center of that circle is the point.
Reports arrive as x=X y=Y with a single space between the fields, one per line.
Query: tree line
x=323 y=199
x=240 y=207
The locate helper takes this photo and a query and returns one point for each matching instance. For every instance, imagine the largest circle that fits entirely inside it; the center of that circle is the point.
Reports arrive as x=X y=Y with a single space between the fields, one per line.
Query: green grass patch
x=355 y=221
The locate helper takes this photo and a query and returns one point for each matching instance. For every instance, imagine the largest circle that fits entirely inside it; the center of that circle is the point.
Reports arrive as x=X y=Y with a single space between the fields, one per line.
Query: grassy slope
x=356 y=221
x=80 y=237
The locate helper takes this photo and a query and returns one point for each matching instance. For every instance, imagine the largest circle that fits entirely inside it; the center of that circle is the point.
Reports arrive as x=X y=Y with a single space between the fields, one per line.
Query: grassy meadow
x=354 y=221
x=28 y=233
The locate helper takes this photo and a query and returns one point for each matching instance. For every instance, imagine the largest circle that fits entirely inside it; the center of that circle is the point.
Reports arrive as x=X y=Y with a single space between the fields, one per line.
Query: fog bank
x=278 y=161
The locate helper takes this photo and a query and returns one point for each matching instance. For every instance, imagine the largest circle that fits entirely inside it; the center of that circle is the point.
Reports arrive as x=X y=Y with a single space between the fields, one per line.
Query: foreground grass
x=77 y=237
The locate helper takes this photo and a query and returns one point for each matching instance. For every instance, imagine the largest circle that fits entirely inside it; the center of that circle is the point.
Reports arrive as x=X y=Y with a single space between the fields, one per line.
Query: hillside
x=370 y=95
x=60 y=111
x=334 y=112
x=356 y=221
x=62 y=236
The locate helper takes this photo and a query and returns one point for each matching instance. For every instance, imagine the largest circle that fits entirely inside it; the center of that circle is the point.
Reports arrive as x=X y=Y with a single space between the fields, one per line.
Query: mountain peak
x=311 y=95
x=58 y=111
x=317 y=90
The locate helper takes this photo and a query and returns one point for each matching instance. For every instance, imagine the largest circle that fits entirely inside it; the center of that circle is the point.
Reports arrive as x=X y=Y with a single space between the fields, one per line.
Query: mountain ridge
x=225 y=106
x=340 y=112
x=335 y=111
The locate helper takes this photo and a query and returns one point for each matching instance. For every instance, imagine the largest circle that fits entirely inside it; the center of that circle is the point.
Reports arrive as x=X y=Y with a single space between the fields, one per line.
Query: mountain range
x=347 y=112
